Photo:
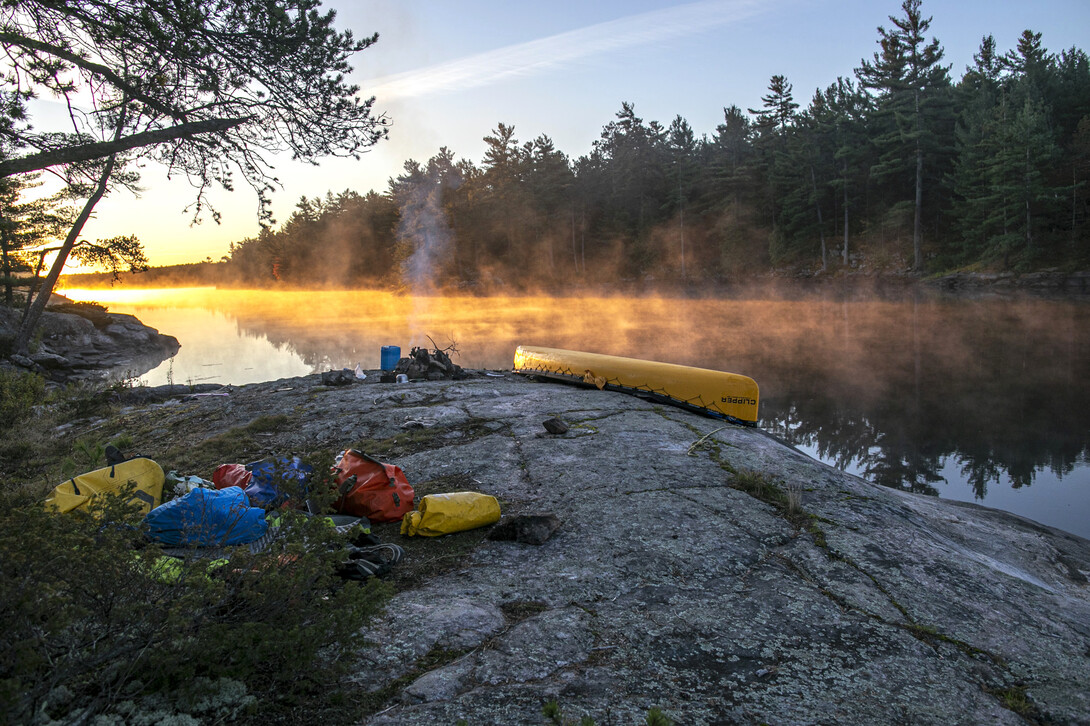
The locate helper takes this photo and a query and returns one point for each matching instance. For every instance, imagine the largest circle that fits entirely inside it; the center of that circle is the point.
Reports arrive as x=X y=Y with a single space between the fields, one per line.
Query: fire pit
x=425 y=365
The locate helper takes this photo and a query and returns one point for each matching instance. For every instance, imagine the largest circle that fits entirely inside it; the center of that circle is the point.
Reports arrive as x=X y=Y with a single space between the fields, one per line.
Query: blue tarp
x=207 y=518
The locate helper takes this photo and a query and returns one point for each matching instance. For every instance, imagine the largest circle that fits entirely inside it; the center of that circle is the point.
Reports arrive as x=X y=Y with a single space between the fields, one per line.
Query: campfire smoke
x=423 y=232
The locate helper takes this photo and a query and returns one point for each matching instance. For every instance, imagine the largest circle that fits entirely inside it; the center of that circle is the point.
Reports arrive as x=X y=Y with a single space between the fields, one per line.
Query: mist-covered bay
x=981 y=400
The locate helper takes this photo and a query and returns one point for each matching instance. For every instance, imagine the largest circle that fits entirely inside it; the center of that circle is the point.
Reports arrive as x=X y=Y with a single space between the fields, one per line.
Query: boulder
x=72 y=346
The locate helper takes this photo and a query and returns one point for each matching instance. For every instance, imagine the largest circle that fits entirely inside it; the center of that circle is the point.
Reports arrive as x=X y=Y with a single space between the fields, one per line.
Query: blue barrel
x=391 y=354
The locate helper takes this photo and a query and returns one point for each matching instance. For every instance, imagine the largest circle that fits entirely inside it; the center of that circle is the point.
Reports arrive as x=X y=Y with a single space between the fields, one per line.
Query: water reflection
x=895 y=389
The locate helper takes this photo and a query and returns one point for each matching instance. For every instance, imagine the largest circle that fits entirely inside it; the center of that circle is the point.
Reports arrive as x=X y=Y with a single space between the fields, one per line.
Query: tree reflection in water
x=999 y=385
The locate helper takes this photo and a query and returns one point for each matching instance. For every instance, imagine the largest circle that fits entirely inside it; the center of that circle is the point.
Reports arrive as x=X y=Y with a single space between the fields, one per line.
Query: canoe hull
x=724 y=395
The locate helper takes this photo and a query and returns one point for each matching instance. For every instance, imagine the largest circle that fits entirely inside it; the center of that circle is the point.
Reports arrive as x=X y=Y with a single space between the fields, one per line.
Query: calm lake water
x=984 y=400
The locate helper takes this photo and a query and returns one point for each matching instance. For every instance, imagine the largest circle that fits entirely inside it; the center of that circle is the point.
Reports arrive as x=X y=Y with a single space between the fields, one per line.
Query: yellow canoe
x=723 y=395
x=77 y=492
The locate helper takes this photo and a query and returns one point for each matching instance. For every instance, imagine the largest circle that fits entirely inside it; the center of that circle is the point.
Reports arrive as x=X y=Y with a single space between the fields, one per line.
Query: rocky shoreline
x=708 y=570
x=1045 y=283
x=87 y=343
x=1060 y=283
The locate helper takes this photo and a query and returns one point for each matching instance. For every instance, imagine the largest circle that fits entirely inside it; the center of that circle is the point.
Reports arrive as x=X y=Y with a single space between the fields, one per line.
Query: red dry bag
x=231 y=475
x=368 y=488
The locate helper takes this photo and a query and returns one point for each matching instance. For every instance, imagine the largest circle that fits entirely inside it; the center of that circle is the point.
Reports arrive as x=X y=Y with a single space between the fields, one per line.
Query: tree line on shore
x=897 y=168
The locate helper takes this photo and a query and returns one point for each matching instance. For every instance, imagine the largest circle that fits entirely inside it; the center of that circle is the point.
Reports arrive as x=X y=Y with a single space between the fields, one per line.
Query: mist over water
x=977 y=399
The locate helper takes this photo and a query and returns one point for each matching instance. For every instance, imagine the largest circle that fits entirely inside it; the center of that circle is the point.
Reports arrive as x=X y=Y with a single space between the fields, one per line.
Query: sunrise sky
x=447 y=72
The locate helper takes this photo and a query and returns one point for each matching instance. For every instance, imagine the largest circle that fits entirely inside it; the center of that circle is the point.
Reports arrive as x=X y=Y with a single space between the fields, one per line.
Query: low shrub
x=81 y=399
x=555 y=715
x=93 y=311
x=20 y=392
x=91 y=625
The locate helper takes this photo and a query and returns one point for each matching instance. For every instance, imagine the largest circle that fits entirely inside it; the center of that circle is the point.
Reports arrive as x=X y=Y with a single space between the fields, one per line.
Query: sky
x=446 y=73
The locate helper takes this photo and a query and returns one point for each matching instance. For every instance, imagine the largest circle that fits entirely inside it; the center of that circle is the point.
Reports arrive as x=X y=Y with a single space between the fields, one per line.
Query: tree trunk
x=1029 y=219
x=9 y=293
x=35 y=309
x=574 y=252
x=917 y=217
x=34 y=284
x=683 y=243
x=845 y=213
x=821 y=225
x=1074 y=201
x=583 y=240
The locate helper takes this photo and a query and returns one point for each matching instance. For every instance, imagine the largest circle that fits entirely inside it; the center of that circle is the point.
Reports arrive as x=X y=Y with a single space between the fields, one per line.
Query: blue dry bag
x=207 y=518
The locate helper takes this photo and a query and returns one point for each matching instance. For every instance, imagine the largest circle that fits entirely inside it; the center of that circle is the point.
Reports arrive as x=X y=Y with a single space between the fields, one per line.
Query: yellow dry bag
x=454 y=512
x=78 y=491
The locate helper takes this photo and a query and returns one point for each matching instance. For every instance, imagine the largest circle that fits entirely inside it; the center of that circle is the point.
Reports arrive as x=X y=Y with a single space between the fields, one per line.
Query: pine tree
x=209 y=89
x=424 y=234
x=845 y=108
x=506 y=164
x=1020 y=152
x=815 y=149
x=913 y=108
x=730 y=189
x=978 y=95
x=549 y=187
x=632 y=156
x=681 y=147
x=1070 y=106
x=1031 y=69
x=731 y=150
x=773 y=124
x=25 y=227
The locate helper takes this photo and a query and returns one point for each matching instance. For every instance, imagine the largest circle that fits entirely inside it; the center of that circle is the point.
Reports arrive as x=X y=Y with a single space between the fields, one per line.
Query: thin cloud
x=564 y=49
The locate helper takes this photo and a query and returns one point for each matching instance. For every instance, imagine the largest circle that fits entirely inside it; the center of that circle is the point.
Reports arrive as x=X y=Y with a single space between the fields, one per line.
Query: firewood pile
x=425 y=365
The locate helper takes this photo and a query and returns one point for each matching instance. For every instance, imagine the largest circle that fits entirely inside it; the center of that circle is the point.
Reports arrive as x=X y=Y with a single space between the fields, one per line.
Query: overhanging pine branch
x=9 y=38
x=100 y=149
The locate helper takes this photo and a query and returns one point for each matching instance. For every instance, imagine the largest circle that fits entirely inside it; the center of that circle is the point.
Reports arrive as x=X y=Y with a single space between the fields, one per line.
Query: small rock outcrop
x=526 y=528
x=86 y=342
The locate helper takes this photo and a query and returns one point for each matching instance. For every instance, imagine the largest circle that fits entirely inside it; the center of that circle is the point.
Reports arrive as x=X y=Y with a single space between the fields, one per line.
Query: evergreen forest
x=897 y=168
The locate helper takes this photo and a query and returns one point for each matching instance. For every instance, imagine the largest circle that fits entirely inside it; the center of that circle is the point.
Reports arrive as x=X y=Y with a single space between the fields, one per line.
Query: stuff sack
x=231 y=475
x=207 y=518
x=454 y=512
x=261 y=480
x=369 y=488
x=77 y=492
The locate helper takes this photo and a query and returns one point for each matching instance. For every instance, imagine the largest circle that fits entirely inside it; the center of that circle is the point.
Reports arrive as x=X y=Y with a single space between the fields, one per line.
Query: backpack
x=369 y=488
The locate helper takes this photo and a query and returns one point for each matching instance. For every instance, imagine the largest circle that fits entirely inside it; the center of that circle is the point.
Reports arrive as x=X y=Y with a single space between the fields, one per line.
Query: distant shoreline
x=781 y=283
